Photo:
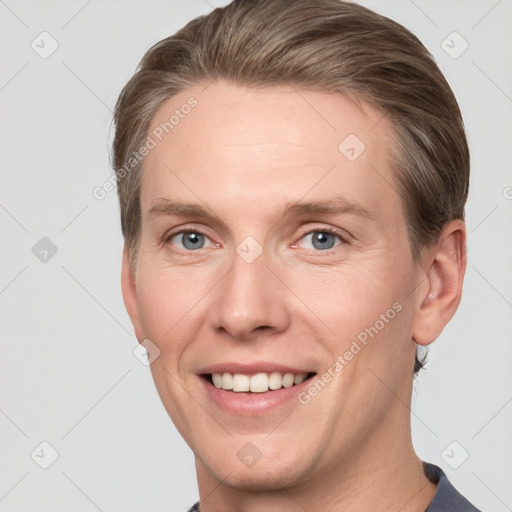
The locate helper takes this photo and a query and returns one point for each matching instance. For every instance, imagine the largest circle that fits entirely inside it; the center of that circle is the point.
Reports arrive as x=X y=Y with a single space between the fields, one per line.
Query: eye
x=321 y=240
x=189 y=240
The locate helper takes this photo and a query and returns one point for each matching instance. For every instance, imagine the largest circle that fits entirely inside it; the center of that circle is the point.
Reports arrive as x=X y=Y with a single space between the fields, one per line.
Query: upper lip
x=251 y=368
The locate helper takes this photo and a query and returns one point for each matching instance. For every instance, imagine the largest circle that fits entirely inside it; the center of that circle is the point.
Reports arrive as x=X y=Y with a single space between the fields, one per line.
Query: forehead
x=236 y=145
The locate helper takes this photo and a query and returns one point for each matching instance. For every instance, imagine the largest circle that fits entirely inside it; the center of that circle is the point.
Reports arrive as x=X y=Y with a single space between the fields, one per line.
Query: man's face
x=295 y=256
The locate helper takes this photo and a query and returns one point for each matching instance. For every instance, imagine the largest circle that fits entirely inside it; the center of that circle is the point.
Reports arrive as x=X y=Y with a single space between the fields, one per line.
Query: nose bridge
x=250 y=297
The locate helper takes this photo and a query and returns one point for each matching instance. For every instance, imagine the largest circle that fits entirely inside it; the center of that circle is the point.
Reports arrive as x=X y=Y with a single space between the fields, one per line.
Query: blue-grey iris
x=322 y=240
x=192 y=240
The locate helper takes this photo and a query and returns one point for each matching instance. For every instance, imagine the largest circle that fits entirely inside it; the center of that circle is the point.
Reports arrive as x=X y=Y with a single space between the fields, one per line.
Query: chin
x=270 y=472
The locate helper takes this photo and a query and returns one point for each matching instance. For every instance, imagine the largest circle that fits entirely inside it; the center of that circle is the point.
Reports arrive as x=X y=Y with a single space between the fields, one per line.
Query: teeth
x=275 y=381
x=217 y=380
x=288 y=380
x=240 y=382
x=257 y=383
x=226 y=381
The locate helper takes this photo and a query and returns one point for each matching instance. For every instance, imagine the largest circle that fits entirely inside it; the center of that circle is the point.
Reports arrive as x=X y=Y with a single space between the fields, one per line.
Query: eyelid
x=181 y=230
x=341 y=234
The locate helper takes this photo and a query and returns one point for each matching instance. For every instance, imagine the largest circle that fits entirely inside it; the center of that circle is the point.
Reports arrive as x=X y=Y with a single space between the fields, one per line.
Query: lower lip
x=252 y=404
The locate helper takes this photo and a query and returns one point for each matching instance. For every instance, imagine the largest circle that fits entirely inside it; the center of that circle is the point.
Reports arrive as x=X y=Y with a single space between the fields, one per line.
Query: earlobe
x=439 y=296
x=130 y=294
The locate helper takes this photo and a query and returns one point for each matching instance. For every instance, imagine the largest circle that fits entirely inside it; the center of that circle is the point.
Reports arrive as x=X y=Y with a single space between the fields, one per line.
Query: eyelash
x=328 y=230
x=331 y=231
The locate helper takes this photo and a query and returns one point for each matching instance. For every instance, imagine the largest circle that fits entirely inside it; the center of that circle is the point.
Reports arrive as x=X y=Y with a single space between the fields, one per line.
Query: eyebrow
x=333 y=206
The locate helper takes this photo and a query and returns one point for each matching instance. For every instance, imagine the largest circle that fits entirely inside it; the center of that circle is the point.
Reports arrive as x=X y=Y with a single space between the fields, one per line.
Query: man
x=292 y=185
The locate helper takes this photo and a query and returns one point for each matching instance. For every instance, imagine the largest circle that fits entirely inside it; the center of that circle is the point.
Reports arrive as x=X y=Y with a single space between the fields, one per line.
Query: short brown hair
x=324 y=45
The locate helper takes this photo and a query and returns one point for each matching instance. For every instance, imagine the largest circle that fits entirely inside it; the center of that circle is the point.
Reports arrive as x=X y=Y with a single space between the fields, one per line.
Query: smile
x=256 y=388
x=257 y=383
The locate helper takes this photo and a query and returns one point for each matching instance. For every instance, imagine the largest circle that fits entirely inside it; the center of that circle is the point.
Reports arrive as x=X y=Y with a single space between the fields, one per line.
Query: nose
x=250 y=301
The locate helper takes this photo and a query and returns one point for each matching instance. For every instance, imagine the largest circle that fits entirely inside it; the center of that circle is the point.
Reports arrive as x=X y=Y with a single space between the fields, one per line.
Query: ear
x=443 y=272
x=130 y=294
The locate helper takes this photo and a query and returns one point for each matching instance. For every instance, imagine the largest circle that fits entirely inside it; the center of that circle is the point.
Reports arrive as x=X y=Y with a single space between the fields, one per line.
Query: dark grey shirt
x=446 y=498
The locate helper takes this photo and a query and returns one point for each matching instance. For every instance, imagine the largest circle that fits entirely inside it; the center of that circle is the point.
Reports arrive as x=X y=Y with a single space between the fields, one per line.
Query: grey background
x=68 y=375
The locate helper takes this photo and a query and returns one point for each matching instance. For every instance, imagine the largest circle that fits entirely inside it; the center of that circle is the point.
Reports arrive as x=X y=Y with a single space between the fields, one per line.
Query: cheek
x=364 y=315
x=168 y=302
x=347 y=299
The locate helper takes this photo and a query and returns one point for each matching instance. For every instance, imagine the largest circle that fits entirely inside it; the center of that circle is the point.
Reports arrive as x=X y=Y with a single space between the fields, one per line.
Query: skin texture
x=243 y=155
